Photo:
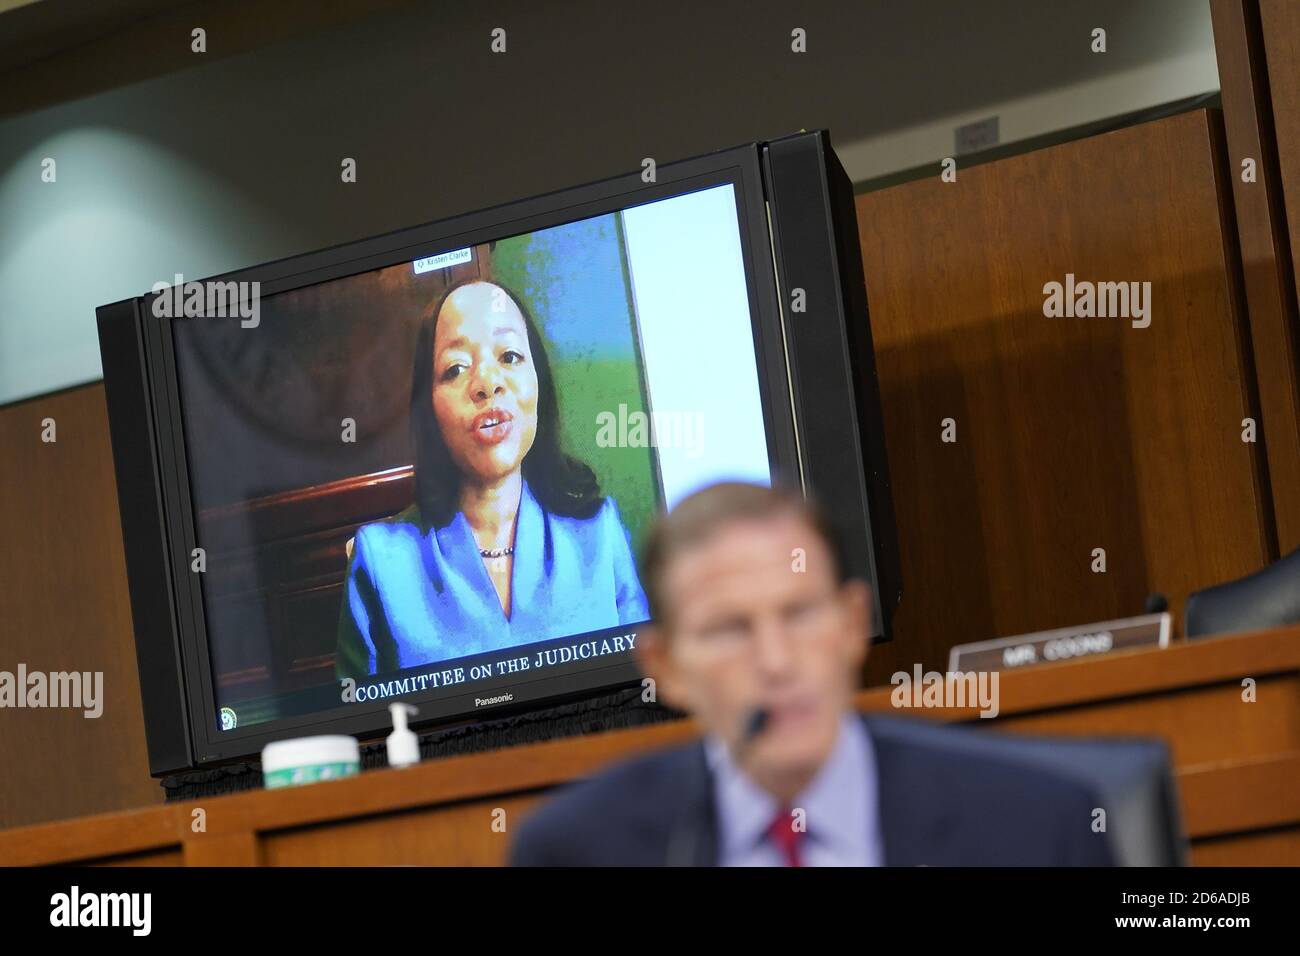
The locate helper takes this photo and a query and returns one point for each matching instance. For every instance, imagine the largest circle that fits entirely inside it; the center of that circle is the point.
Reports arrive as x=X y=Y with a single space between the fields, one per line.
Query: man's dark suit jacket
x=940 y=805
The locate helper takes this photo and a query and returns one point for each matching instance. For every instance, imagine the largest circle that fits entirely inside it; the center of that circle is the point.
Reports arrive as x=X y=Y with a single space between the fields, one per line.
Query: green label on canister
x=312 y=773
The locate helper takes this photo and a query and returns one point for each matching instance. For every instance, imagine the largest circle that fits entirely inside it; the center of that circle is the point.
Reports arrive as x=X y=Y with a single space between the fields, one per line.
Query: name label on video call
x=1064 y=644
x=443 y=260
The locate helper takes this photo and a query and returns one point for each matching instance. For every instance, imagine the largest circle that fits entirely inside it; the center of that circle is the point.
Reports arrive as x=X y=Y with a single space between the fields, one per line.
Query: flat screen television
x=310 y=453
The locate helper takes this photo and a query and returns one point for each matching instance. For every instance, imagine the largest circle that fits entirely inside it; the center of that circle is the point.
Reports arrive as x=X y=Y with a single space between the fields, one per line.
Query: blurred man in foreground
x=761 y=636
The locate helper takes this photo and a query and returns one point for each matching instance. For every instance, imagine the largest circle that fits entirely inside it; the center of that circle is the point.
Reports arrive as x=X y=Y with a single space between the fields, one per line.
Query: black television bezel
x=183 y=639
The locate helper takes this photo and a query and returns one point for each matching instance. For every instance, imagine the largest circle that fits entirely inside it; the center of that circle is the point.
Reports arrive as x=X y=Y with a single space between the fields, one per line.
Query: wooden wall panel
x=1281 y=27
x=1072 y=433
x=1239 y=45
x=64 y=606
x=1280 y=20
x=460 y=835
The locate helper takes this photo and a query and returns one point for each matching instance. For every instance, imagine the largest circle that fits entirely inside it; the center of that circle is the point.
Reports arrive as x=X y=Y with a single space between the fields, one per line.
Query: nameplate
x=1064 y=644
x=443 y=261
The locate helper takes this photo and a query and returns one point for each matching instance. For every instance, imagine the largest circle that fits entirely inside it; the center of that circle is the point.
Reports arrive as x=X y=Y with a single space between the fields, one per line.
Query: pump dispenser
x=403 y=744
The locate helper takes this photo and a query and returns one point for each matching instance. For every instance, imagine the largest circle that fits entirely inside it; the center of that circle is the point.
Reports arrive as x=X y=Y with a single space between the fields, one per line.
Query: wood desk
x=1237 y=766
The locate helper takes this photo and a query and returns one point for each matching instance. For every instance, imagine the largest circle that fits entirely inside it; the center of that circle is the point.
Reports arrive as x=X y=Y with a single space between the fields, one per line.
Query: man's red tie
x=786 y=838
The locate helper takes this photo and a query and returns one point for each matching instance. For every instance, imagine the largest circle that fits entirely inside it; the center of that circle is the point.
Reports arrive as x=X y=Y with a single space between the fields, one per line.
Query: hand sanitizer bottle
x=403 y=744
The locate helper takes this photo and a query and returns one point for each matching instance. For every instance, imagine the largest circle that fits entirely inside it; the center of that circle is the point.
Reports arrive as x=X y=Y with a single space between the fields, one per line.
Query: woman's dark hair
x=562 y=484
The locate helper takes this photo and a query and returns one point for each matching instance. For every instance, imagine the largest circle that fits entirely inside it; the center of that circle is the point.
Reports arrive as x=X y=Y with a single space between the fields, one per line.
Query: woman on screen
x=509 y=540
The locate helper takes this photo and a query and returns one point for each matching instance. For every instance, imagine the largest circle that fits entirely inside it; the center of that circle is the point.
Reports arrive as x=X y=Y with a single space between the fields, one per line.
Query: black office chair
x=1267 y=598
x=1130 y=777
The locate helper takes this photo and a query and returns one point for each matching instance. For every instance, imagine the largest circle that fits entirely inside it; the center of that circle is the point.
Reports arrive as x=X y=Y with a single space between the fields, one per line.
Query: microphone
x=1156 y=603
x=756 y=722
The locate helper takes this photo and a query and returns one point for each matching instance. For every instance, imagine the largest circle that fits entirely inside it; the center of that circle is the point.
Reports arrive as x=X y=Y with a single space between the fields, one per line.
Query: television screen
x=433 y=479
x=421 y=466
